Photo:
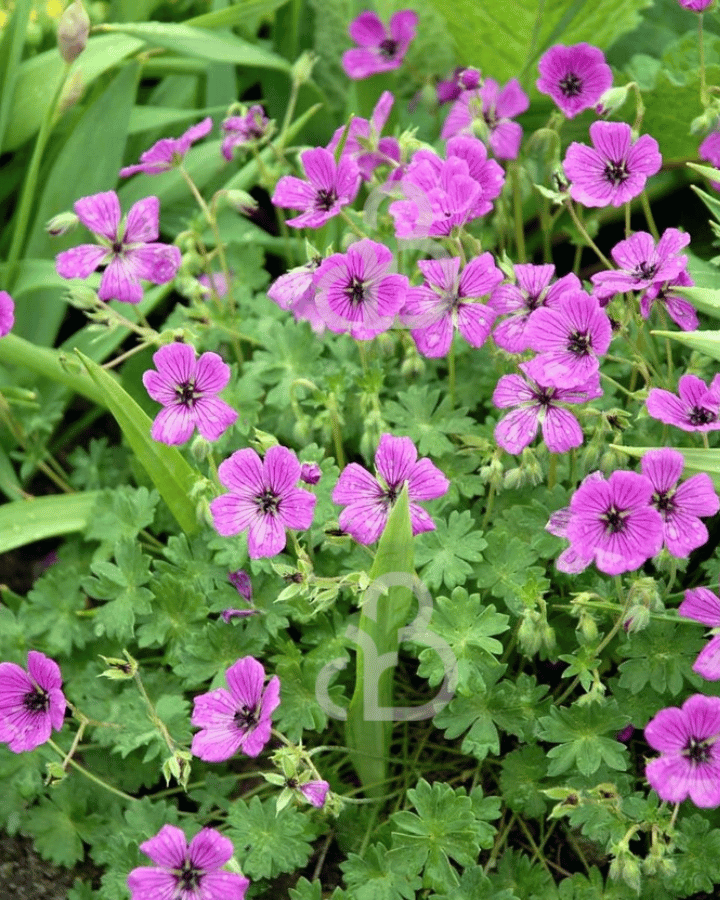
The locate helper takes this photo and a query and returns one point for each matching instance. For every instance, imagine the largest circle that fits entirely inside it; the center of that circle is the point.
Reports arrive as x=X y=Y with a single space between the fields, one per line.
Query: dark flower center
x=392 y=493
x=291 y=783
x=491 y=118
x=388 y=48
x=664 y=503
x=544 y=396
x=644 y=271
x=697 y=751
x=533 y=301
x=186 y=394
x=189 y=878
x=268 y=502
x=325 y=200
x=579 y=343
x=614 y=521
x=36 y=700
x=571 y=85
x=117 y=247
x=355 y=291
x=246 y=717
x=616 y=172
x=701 y=416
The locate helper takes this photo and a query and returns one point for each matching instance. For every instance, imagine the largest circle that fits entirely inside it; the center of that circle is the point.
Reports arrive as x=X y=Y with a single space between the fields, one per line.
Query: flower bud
x=72 y=32
x=61 y=224
x=177 y=766
x=302 y=68
x=119 y=669
x=240 y=201
x=310 y=473
x=612 y=100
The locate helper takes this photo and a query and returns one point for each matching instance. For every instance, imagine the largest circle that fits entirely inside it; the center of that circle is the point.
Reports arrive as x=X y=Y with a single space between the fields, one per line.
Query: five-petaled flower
x=368 y=500
x=329 y=187
x=168 y=153
x=697 y=408
x=575 y=77
x=687 y=738
x=487 y=112
x=187 y=388
x=702 y=605
x=262 y=498
x=614 y=170
x=32 y=703
x=242 y=130
x=128 y=248
x=236 y=719
x=379 y=49
x=185 y=871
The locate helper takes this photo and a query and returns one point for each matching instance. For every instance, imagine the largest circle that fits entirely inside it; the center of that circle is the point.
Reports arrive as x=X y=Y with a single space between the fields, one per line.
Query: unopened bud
x=61 y=224
x=119 y=669
x=241 y=201
x=72 y=32
x=310 y=473
x=177 y=766
x=302 y=69
x=612 y=100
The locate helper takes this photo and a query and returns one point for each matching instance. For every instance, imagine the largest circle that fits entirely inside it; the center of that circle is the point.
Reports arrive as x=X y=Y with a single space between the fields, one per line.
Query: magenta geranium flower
x=680 y=505
x=519 y=301
x=695 y=5
x=127 y=248
x=709 y=150
x=687 y=738
x=241 y=130
x=295 y=291
x=703 y=606
x=490 y=109
x=7 y=313
x=537 y=404
x=188 y=388
x=575 y=77
x=449 y=300
x=569 y=337
x=363 y=144
x=32 y=703
x=614 y=523
x=463 y=79
x=262 y=499
x=236 y=719
x=356 y=293
x=329 y=187
x=185 y=871
x=368 y=500
x=642 y=264
x=614 y=169
x=680 y=310
x=168 y=153
x=697 y=408
x=379 y=49
x=314 y=792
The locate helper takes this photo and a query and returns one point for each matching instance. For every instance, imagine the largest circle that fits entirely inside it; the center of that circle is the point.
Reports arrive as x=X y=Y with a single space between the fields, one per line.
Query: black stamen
x=268 y=502
x=616 y=173
x=325 y=200
x=388 y=48
x=579 y=343
x=571 y=85
x=36 y=700
x=614 y=521
x=355 y=291
x=186 y=394
x=246 y=717
x=701 y=416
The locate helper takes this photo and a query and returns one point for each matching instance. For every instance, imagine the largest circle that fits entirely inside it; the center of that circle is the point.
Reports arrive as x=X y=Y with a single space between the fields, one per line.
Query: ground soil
x=26 y=876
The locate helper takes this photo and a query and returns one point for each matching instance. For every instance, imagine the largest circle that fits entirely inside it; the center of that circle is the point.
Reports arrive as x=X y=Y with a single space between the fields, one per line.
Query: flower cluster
x=488 y=112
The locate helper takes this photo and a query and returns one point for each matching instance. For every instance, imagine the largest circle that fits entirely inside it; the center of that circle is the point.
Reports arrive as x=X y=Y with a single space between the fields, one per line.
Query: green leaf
x=267 y=842
x=379 y=875
x=508 y=570
x=426 y=419
x=56 y=825
x=238 y=11
x=122 y=586
x=120 y=513
x=17 y=352
x=11 y=48
x=661 y=656
x=446 y=552
x=707 y=342
x=177 y=609
x=475 y=885
x=698 y=866
x=165 y=465
x=522 y=771
x=25 y=521
x=53 y=610
x=579 y=730
x=197 y=42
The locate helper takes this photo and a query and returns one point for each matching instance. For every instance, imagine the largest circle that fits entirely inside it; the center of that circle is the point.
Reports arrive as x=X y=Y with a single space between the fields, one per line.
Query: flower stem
x=583 y=231
x=89 y=775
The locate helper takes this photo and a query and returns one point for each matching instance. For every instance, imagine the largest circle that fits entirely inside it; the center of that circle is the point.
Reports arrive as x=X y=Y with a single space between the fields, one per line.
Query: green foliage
x=120 y=514
x=578 y=730
x=54 y=610
x=698 y=862
x=661 y=656
x=428 y=420
x=445 y=554
x=521 y=774
x=380 y=875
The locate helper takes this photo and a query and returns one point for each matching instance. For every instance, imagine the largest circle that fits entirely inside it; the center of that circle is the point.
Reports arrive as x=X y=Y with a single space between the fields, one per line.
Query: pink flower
x=380 y=49
x=519 y=301
x=537 y=403
x=448 y=300
x=489 y=109
x=238 y=719
x=695 y=5
x=570 y=337
x=129 y=251
x=613 y=522
x=310 y=473
x=575 y=77
x=185 y=871
x=168 y=153
x=32 y=703
x=680 y=505
x=709 y=150
x=363 y=144
x=262 y=498
x=215 y=281
x=697 y=408
x=462 y=80
x=368 y=500
x=703 y=606
x=240 y=580
x=187 y=388
x=295 y=291
x=330 y=186
x=7 y=313
x=615 y=169
x=241 y=130
x=356 y=294
x=314 y=792
x=689 y=765
x=680 y=310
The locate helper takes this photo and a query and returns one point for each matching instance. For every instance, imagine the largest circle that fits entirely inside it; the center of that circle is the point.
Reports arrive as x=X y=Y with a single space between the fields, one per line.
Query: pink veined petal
x=426 y=481
x=7 y=313
x=644 y=156
x=119 y=282
x=243 y=473
x=294 y=193
x=441 y=273
x=682 y=312
x=354 y=483
x=708 y=662
x=361 y=63
x=315 y=792
x=505 y=140
x=158 y=263
x=517 y=430
x=475 y=321
x=210 y=850
x=45 y=672
x=320 y=168
x=246 y=679
x=160 y=387
x=512 y=390
x=176 y=362
x=254 y=739
x=683 y=533
x=420 y=520
x=434 y=339
x=395 y=458
x=224 y=886
x=211 y=373
x=703 y=714
x=232 y=514
x=663 y=468
x=702 y=605
x=266 y=536
x=403 y=26
x=195 y=132
x=216 y=743
x=512 y=100
x=697 y=496
x=79 y=262
x=168 y=848
x=281 y=469
x=670 y=777
x=364 y=520
x=480 y=276
x=296 y=509
x=367 y=30
x=215 y=708
x=149 y=883
x=100 y=213
x=572 y=561
x=213 y=417
x=705 y=785
x=511 y=334
x=611 y=139
x=669 y=730
x=561 y=430
x=666 y=407
x=143 y=221
x=173 y=425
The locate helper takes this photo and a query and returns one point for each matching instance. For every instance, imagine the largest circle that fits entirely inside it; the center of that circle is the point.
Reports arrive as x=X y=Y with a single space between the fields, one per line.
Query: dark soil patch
x=26 y=876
